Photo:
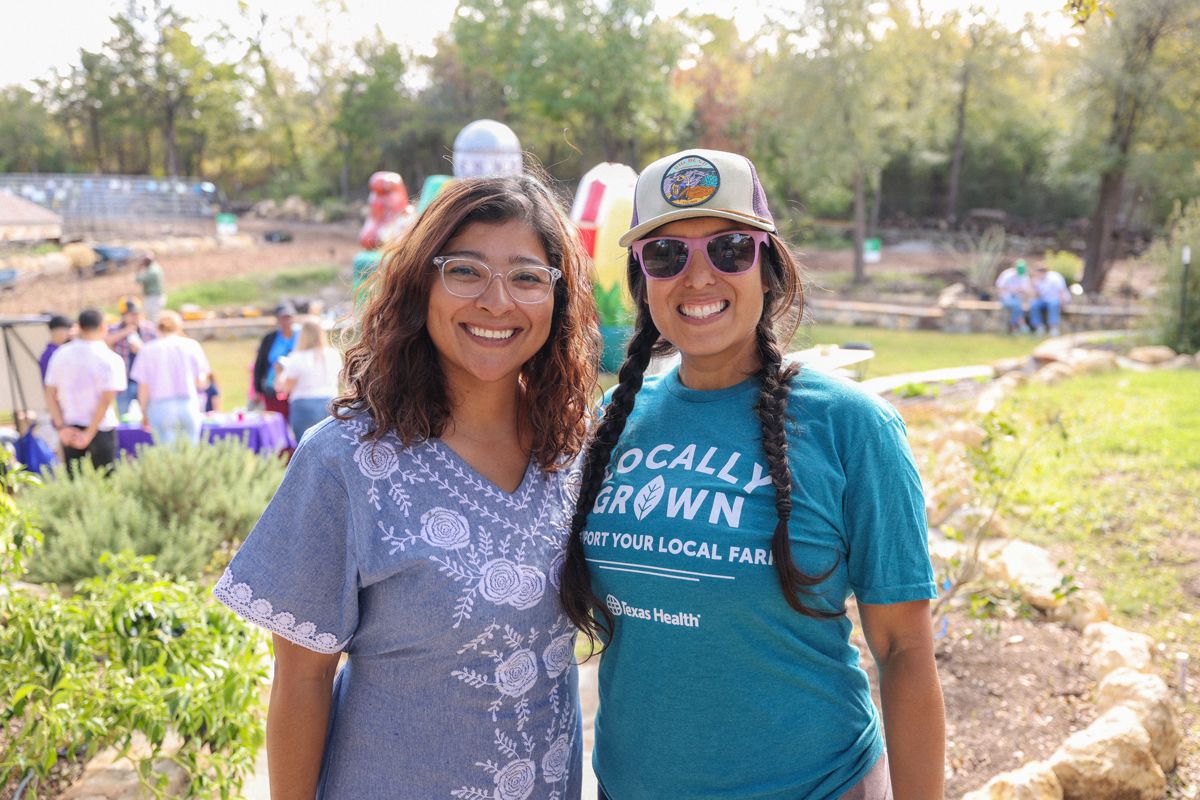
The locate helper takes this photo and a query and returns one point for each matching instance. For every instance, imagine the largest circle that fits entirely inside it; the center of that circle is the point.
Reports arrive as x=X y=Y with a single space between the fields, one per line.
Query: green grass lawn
x=1122 y=492
x=260 y=288
x=916 y=351
x=231 y=361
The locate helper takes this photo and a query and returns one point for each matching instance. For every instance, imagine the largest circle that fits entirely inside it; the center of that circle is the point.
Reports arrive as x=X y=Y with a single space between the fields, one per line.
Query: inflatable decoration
x=602 y=209
x=389 y=210
x=486 y=149
x=430 y=189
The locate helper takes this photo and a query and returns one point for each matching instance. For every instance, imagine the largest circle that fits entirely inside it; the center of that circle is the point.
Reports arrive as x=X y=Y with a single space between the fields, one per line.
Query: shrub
x=1065 y=263
x=129 y=652
x=178 y=503
x=1179 y=306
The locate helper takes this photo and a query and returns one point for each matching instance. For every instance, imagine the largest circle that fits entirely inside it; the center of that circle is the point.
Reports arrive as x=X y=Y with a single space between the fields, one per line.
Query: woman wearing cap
x=727 y=510
x=420 y=530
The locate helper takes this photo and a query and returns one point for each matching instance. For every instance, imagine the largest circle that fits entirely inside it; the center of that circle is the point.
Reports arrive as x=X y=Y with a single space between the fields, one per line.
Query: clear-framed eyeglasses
x=469 y=277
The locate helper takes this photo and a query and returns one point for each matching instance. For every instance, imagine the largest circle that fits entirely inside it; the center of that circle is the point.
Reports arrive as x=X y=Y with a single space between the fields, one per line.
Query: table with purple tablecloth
x=263 y=432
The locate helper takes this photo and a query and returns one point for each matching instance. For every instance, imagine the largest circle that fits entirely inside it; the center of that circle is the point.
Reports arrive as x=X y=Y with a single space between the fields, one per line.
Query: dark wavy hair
x=782 y=307
x=392 y=369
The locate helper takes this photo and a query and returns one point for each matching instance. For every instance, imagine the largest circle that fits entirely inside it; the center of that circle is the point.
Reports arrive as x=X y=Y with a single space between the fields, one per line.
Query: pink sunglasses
x=729 y=252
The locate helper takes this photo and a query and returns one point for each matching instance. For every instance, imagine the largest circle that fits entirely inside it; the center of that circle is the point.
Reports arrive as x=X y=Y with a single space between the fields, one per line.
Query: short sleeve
x=199 y=359
x=117 y=380
x=54 y=369
x=884 y=513
x=138 y=371
x=296 y=574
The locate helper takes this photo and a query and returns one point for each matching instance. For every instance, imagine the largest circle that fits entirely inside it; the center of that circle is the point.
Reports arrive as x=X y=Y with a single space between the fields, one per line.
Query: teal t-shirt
x=713 y=687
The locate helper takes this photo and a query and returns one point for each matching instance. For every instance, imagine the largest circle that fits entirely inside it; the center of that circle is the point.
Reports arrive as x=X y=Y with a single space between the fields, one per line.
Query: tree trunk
x=1096 y=254
x=959 y=138
x=170 y=145
x=860 y=226
x=876 y=203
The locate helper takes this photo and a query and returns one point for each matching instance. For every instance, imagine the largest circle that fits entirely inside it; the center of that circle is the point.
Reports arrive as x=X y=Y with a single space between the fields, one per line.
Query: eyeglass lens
x=466 y=278
x=730 y=253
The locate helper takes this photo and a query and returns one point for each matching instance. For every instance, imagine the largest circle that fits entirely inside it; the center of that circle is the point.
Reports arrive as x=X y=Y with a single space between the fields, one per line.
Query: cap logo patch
x=690 y=181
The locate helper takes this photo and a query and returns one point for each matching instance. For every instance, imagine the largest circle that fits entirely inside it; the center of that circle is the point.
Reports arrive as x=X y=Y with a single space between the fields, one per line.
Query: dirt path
x=312 y=244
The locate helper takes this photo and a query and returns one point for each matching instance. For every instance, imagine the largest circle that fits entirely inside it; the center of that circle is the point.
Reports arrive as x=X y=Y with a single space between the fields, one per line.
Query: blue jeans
x=126 y=397
x=306 y=412
x=1016 y=312
x=1051 y=309
x=174 y=418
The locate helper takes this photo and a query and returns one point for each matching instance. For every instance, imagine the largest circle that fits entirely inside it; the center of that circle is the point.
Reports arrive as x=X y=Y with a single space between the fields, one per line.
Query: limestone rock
x=1053 y=373
x=1033 y=571
x=951 y=294
x=1178 y=362
x=1081 y=609
x=1090 y=361
x=1033 y=781
x=1109 y=647
x=969 y=518
x=1147 y=696
x=1151 y=354
x=1110 y=758
x=1010 y=365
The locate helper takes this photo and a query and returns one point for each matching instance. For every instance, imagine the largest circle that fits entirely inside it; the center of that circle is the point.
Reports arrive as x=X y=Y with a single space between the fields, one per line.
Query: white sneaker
x=1054 y=331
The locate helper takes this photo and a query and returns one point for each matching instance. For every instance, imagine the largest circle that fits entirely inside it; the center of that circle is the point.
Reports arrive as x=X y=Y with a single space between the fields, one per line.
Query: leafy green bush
x=129 y=652
x=1065 y=263
x=1179 y=306
x=177 y=503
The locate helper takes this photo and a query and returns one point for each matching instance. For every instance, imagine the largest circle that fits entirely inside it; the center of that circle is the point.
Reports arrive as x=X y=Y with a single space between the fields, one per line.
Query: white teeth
x=488 y=333
x=703 y=311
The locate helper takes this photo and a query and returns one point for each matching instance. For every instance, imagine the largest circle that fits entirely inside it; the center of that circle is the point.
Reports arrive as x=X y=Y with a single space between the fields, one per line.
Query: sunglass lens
x=664 y=258
x=732 y=253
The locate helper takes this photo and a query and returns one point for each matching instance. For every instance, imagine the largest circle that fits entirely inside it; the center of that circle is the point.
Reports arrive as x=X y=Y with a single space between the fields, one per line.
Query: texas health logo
x=619 y=608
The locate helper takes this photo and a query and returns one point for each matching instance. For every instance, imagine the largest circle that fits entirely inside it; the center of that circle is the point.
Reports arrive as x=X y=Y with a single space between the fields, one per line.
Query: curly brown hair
x=392 y=369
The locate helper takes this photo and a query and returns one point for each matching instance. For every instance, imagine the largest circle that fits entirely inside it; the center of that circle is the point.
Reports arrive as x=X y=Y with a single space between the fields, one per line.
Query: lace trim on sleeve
x=240 y=599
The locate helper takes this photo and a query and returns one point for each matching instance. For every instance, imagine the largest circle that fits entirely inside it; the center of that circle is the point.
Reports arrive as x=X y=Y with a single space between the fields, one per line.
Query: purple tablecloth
x=265 y=432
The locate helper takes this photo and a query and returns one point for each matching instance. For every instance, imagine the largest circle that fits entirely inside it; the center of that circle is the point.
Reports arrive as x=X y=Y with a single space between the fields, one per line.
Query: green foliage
x=261 y=289
x=1123 y=495
x=1179 y=305
x=178 y=503
x=1065 y=263
x=898 y=351
x=917 y=389
x=130 y=652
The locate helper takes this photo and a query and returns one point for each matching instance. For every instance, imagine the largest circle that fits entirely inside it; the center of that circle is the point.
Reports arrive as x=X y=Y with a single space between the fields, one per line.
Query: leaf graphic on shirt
x=648 y=497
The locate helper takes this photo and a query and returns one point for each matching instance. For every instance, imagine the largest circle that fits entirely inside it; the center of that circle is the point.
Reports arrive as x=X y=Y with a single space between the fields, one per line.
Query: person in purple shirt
x=60 y=334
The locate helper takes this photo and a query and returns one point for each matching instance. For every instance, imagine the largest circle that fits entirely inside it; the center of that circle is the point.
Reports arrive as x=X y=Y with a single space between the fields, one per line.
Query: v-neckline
x=440 y=444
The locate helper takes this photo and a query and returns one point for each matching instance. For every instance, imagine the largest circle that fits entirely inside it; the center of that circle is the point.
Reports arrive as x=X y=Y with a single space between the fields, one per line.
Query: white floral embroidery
x=444 y=528
x=240 y=599
x=556 y=759
x=499 y=580
x=376 y=458
x=559 y=655
x=515 y=780
x=530 y=590
x=556 y=565
x=517 y=674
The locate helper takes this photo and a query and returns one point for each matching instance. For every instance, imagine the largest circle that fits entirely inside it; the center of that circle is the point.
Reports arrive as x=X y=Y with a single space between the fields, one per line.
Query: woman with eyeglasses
x=419 y=531
x=727 y=511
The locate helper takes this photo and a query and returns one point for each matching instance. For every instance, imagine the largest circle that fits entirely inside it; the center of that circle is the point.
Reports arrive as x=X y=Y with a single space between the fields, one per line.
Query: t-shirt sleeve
x=54 y=370
x=884 y=513
x=138 y=370
x=296 y=574
x=117 y=380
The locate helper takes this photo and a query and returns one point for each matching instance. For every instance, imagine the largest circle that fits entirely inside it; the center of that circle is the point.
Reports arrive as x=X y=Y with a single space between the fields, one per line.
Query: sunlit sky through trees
x=38 y=37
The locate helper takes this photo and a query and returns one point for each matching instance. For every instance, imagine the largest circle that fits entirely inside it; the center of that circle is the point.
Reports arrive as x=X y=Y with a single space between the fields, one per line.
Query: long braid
x=578 y=599
x=771 y=409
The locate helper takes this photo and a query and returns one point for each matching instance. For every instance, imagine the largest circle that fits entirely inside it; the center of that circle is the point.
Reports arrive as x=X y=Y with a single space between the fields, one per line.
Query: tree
x=1124 y=74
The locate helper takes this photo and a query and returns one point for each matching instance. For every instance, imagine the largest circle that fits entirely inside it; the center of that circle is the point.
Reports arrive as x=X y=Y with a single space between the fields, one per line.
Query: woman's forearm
x=296 y=726
x=914 y=720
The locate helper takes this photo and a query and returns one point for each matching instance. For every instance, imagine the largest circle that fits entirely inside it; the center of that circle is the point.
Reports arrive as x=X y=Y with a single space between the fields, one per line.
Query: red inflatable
x=389 y=205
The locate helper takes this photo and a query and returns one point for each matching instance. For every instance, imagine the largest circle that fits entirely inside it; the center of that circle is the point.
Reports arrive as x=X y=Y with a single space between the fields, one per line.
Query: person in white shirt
x=309 y=377
x=1050 y=295
x=82 y=379
x=1016 y=290
x=171 y=371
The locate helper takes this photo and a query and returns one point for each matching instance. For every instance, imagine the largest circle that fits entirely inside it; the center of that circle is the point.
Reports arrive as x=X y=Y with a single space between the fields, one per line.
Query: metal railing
x=101 y=207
